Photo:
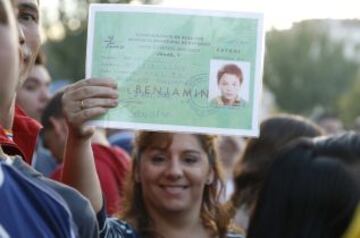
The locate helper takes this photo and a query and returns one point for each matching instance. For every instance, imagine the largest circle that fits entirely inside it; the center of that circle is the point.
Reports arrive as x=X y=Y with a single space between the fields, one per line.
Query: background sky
x=280 y=14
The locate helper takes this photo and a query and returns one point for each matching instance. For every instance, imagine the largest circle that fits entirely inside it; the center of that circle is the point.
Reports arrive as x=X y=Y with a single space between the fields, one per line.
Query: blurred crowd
x=60 y=177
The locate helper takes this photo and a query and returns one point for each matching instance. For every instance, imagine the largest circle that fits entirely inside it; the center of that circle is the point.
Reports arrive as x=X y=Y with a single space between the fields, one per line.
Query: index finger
x=106 y=82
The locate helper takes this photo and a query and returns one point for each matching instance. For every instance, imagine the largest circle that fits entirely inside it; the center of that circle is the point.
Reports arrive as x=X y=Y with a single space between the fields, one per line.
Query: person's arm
x=83 y=101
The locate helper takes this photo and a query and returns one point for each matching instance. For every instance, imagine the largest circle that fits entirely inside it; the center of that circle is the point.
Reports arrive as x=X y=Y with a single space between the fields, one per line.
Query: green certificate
x=180 y=70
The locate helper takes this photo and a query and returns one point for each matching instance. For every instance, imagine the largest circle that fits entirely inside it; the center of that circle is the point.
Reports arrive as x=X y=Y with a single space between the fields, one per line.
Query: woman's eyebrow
x=190 y=151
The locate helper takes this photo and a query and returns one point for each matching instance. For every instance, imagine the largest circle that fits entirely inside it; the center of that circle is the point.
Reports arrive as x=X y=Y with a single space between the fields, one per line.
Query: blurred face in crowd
x=173 y=178
x=55 y=138
x=229 y=85
x=9 y=55
x=331 y=125
x=34 y=93
x=27 y=15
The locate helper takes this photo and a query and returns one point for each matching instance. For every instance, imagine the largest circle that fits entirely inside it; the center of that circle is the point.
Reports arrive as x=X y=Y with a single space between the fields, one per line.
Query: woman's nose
x=21 y=34
x=174 y=169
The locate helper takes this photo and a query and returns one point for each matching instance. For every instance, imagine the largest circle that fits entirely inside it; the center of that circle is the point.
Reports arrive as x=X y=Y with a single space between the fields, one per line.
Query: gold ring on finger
x=82 y=105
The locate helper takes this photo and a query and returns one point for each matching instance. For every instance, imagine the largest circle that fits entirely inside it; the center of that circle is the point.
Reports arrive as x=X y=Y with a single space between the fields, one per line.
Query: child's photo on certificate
x=228 y=83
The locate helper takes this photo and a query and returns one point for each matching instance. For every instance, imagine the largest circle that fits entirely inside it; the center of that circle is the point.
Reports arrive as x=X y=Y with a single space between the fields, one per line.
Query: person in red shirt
x=112 y=163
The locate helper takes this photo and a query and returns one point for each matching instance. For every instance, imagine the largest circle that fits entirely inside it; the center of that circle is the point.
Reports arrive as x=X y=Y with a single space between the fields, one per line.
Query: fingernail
x=116 y=96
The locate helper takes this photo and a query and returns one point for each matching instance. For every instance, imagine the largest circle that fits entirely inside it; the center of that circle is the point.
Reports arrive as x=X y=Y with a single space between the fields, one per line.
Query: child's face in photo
x=229 y=86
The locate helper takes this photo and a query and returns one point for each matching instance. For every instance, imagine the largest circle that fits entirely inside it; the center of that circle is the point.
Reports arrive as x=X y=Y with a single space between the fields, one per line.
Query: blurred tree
x=306 y=69
x=349 y=106
x=67 y=50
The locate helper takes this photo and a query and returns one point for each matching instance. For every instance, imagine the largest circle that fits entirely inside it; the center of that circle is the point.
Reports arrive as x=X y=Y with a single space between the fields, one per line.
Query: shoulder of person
x=240 y=102
x=80 y=208
x=217 y=101
x=116 y=228
x=39 y=202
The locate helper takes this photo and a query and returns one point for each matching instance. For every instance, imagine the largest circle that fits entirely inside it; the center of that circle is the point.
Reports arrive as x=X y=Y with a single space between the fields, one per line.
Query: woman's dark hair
x=52 y=109
x=259 y=153
x=309 y=191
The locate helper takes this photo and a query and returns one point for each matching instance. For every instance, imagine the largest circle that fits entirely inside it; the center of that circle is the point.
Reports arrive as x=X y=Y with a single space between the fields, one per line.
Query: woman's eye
x=30 y=87
x=190 y=159
x=157 y=159
x=27 y=17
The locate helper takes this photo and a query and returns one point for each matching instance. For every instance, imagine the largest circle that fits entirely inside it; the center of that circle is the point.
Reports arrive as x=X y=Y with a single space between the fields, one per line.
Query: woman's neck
x=179 y=224
x=227 y=101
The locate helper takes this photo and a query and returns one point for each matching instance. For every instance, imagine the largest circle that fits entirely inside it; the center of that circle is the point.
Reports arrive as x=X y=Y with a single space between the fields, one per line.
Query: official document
x=180 y=70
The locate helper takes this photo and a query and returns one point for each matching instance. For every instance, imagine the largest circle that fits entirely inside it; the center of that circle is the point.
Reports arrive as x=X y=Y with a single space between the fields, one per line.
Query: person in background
x=330 y=123
x=32 y=97
x=252 y=167
x=34 y=94
x=312 y=190
x=230 y=149
x=122 y=138
x=112 y=163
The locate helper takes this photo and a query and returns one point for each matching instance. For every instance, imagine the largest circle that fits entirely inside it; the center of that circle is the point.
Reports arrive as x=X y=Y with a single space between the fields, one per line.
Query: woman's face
x=173 y=179
x=229 y=86
x=9 y=54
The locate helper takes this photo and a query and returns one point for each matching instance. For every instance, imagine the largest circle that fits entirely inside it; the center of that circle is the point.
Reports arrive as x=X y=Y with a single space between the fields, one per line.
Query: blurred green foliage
x=66 y=57
x=307 y=70
x=349 y=105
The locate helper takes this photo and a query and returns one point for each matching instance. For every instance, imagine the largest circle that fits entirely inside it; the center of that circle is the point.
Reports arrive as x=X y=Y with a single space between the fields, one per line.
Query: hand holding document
x=178 y=70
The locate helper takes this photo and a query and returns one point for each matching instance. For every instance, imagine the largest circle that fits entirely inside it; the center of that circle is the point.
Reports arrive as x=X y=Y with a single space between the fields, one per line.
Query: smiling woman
x=175 y=178
x=174 y=188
